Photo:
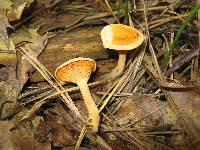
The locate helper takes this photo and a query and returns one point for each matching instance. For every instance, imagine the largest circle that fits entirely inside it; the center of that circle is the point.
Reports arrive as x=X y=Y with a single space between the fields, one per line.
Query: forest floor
x=153 y=104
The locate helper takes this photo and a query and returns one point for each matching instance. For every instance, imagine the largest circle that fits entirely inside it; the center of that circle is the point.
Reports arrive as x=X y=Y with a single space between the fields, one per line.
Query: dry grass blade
x=32 y=110
x=81 y=136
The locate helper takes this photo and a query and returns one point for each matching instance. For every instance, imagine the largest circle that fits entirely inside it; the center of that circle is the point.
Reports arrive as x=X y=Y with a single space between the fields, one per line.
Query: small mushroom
x=78 y=70
x=121 y=38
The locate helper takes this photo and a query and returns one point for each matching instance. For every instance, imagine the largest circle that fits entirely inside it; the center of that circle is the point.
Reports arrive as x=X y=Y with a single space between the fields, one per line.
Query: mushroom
x=78 y=70
x=121 y=38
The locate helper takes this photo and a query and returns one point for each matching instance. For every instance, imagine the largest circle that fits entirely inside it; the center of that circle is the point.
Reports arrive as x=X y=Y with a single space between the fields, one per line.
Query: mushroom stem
x=93 y=120
x=120 y=66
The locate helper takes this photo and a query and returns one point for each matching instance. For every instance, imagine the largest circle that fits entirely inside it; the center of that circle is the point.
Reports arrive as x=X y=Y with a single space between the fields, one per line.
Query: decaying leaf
x=57 y=129
x=34 y=49
x=7 y=53
x=20 y=138
x=5 y=142
x=8 y=94
x=7 y=58
x=141 y=110
x=5 y=4
x=190 y=102
x=4 y=24
x=16 y=76
x=3 y=45
x=25 y=35
x=17 y=9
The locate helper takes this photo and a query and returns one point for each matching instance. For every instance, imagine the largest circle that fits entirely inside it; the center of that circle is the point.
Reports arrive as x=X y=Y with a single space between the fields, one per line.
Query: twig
x=181 y=60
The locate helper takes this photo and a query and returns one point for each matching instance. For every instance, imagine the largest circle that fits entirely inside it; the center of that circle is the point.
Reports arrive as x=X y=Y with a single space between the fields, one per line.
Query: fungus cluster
x=78 y=70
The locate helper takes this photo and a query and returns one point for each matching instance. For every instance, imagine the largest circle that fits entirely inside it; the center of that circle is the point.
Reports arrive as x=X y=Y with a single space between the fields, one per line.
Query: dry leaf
x=17 y=9
x=5 y=4
x=189 y=101
x=7 y=58
x=20 y=138
x=25 y=35
x=3 y=46
x=24 y=67
x=5 y=136
x=7 y=53
x=4 y=24
x=16 y=75
x=137 y=107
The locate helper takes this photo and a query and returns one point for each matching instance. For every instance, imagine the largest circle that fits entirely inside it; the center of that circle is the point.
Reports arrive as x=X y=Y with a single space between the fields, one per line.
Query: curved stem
x=93 y=121
x=120 y=66
x=121 y=63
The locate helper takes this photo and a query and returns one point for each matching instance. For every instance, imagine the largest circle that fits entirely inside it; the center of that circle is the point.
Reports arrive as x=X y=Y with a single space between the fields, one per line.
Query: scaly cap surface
x=75 y=70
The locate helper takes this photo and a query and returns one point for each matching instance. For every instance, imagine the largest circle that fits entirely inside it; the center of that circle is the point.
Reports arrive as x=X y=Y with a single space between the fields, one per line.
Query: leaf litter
x=143 y=108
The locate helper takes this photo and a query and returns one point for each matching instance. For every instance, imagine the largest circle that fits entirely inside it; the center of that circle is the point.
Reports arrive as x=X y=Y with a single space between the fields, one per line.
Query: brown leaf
x=138 y=107
x=17 y=9
x=24 y=66
x=25 y=35
x=5 y=4
x=20 y=138
x=59 y=128
x=189 y=101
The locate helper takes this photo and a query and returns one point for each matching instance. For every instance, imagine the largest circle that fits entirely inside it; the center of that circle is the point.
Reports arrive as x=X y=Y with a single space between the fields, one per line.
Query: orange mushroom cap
x=121 y=37
x=75 y=70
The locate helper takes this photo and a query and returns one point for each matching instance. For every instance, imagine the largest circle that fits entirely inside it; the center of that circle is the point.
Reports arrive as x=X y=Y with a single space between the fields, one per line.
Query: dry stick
x=167 y=19
x=177 y=63
x=181 y=60
x=104 y=5
x=167 y=10
x=107 y=14
x=151 y=8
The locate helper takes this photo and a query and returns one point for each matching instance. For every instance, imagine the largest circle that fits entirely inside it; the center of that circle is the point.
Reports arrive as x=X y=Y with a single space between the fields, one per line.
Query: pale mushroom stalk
x=93 y=120
x=120 y=65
